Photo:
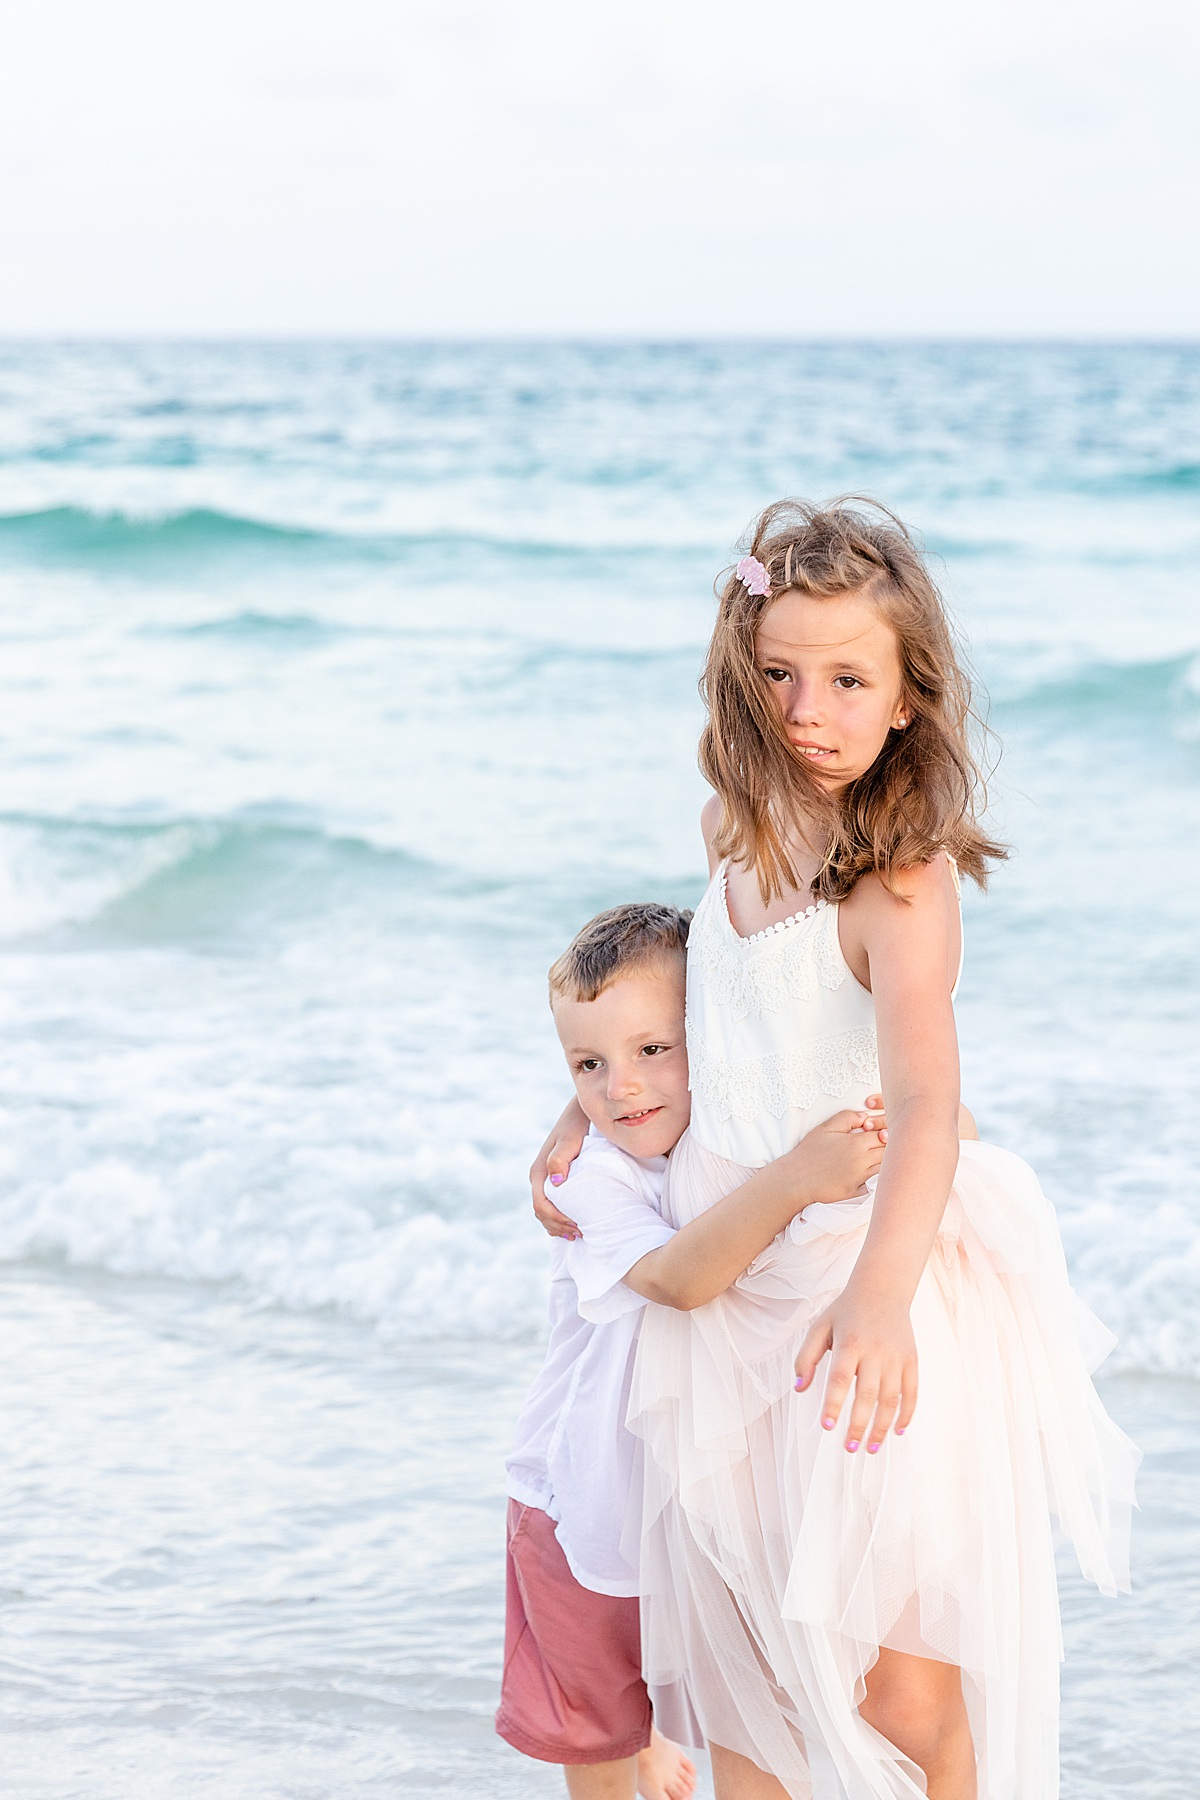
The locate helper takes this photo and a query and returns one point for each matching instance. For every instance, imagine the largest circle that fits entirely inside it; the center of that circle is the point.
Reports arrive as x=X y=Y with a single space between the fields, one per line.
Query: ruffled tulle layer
x=774 y=1565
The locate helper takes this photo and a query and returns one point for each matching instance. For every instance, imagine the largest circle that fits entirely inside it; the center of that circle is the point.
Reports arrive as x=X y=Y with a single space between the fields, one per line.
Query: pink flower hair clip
x=752 y=575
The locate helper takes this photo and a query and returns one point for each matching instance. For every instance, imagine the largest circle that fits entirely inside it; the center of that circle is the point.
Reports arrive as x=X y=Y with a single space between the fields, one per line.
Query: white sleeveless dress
x=774 y=1564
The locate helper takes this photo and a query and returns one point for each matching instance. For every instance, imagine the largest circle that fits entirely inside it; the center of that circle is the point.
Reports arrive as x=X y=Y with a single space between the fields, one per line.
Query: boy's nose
x=622 y=1083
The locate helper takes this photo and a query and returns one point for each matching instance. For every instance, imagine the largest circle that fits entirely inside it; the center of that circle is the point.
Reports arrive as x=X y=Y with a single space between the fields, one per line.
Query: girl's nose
x=803 y=708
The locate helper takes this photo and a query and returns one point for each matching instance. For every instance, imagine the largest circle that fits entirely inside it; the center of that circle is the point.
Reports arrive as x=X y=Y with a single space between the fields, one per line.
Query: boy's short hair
x=613 y=943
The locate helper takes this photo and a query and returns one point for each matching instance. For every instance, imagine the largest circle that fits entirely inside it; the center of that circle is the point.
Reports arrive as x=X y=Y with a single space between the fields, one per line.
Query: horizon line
x=606 y=339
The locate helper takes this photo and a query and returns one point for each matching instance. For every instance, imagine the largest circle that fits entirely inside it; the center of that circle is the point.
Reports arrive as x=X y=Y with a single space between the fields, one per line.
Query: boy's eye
x=589 y=1063
x=653 y=1049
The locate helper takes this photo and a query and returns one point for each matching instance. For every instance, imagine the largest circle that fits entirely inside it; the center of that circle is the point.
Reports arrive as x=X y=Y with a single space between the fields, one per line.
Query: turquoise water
x=340 y=683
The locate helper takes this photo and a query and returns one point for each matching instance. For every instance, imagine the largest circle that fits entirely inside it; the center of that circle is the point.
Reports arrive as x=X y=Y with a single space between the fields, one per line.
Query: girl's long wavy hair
x=924 y=792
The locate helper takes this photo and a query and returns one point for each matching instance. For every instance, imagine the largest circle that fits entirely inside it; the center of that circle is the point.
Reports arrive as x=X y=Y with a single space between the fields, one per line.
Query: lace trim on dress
x=758 y=937
x=760 y=974
x=790 y=1080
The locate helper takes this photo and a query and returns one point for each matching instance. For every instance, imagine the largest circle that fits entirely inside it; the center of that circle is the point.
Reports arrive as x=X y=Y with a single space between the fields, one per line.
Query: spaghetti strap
x=956 y=878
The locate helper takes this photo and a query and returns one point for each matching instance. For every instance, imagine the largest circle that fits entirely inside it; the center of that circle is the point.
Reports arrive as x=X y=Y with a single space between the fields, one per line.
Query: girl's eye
x=589 y=1063
x=847 y=681
x=653 y=1049
x=776 y=674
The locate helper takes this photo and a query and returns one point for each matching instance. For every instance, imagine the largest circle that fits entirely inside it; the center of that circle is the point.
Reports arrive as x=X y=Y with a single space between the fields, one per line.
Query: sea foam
x=341 y=684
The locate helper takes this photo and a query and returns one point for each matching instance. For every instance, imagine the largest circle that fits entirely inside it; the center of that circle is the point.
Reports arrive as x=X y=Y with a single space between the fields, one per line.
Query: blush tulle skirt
x=775 y=1564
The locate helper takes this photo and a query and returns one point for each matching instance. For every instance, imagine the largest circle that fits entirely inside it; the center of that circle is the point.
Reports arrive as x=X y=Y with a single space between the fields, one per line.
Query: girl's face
x=833 y=668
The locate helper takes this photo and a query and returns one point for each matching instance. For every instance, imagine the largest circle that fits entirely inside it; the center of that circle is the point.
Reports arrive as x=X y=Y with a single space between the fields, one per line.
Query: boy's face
x=626 y=1053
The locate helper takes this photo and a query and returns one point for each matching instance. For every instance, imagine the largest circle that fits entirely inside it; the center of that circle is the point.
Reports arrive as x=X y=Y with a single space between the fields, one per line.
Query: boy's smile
x=626 y=1053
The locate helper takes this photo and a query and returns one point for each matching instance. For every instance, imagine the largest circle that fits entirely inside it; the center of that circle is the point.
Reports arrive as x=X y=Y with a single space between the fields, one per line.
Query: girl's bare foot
x=664 y=1772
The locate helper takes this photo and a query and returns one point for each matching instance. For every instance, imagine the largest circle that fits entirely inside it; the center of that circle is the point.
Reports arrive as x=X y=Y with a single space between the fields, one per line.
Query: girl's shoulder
x=710 y=817
x=710 y=824
x=917 y=905
x=907 y=932
x=924 y=885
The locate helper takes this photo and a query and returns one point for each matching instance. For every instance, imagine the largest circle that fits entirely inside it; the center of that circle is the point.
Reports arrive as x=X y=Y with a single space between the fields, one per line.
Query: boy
x=573 y=1691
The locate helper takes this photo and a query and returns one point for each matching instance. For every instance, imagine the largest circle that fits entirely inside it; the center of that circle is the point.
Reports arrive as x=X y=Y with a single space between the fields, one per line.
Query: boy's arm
x=705 y=1257
x=563 y=1145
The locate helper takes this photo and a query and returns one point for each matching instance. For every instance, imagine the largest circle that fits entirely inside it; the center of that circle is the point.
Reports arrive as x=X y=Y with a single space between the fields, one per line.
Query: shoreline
x=253 y=1553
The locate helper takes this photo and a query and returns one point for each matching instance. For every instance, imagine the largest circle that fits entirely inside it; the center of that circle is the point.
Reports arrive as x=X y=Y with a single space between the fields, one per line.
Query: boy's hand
x=834 y=1160
x=553 y=1164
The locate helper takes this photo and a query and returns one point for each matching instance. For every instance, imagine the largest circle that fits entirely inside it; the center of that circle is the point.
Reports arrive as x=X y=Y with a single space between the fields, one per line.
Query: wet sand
x=254 y=1555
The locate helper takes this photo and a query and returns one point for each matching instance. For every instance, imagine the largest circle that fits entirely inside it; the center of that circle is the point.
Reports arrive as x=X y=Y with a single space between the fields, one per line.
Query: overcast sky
x=621 y=166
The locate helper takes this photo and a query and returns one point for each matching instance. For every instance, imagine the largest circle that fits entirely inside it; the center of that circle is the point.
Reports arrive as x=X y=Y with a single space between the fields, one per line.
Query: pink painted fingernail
x=828 y=1424
x=900 y=1430
x=801 y=1381
x=557 y=1180
x=871 y=1449
x=852 y=1444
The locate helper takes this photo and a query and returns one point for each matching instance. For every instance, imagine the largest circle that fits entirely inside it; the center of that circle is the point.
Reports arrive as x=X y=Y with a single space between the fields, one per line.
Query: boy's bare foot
x=664 y=1772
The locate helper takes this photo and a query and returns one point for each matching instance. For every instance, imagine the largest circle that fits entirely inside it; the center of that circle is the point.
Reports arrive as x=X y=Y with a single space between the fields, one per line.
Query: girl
x=853 y=1596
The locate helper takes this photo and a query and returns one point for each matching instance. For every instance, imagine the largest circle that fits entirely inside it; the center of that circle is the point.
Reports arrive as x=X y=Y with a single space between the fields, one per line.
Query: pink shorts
x=572 y=1690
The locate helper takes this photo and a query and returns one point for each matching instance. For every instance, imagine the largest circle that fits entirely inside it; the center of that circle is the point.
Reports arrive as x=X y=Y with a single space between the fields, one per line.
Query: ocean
x=340 y=683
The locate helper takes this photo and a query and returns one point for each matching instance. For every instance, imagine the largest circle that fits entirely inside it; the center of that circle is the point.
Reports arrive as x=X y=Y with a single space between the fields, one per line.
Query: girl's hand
x=553 y=1221
x=873 y=1351
x=553 y=1164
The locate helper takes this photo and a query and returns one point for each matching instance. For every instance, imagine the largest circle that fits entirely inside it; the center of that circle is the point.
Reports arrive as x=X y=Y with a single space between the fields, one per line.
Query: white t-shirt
x=572 y=1454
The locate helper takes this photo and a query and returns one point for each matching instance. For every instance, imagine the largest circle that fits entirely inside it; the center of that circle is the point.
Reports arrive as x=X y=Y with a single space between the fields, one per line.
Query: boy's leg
x=602 y=1781
x=664 y=1770
x=660 y=1772
x=572 y=1691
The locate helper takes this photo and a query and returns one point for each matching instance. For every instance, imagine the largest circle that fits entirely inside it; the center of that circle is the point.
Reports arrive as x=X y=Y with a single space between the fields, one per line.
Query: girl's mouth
x=814 y=752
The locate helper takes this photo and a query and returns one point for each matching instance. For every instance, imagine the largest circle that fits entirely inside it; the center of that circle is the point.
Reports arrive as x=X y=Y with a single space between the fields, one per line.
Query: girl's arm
x=909 y=945
x=553 y=1164
x=707 y=1255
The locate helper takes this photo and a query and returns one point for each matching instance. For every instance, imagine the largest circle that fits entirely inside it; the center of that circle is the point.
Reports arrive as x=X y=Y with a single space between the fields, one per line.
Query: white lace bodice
x=780 y=1034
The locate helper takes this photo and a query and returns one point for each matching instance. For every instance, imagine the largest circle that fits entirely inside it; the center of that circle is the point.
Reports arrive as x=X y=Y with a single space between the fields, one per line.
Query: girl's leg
x=917 y=1705
x=737 y=1778
x=602 y=1781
